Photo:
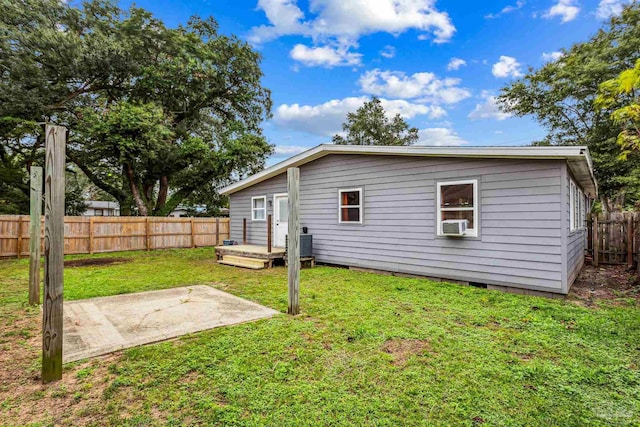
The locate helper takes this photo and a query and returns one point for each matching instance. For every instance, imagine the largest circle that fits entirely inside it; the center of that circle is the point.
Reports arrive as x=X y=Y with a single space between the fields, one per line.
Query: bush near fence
x=88 y=235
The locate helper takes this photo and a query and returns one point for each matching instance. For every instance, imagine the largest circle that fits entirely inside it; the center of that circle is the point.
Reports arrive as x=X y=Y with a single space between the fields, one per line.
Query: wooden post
x=217 y=231
x=590 y=234
x=293 y=244
x=269 y=243
x=193 y=235
x=91 y=227
x=147 y=235
x=596 y=241
x=629 y=241
x=34 y=235
x=244 y=231
x=19 y=245
x=53 y=253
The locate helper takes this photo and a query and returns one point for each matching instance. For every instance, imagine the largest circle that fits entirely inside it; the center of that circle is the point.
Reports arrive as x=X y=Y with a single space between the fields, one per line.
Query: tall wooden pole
x=269 y=233
x=630 y=233
x=244 y=231
x=596 y=241
x=293 y=244
x=34 y=235
x=53 y=253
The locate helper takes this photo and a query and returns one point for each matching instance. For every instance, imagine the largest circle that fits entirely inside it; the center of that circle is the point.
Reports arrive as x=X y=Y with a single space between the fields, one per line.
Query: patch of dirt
x=75 y=400
x=90 y=262
x=403 y=349
x=607 y=282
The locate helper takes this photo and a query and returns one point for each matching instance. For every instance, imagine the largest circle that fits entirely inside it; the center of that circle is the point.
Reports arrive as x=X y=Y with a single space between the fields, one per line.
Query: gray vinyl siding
x=240 y=208
x=520 y=241
x=575 y=240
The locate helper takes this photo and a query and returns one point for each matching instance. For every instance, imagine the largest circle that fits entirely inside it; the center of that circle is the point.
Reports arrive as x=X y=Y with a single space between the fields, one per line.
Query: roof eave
x=576 y=153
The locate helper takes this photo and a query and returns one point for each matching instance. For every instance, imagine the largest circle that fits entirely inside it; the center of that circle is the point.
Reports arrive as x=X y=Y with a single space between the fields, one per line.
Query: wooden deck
x=255 y=257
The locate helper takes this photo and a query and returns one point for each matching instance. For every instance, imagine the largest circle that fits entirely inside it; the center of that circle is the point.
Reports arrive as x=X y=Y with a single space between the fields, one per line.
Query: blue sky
x=438 y=63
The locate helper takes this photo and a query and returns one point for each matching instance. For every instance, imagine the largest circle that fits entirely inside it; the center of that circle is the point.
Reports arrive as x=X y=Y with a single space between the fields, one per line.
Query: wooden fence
x=88 y=235
x=614 y=238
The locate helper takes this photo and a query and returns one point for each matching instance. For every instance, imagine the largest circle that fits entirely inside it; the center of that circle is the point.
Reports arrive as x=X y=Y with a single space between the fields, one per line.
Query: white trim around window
x=350 y=207
x=259 y=210
x=577 y=207
x=470 y=232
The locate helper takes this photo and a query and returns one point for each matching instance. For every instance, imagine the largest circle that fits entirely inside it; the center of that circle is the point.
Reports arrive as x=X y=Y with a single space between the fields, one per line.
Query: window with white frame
x=578 y=203
x=259 y=208
x=350 y=205
x=458 y=200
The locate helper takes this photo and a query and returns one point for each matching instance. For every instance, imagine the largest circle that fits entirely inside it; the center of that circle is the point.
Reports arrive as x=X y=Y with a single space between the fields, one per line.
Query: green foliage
x=369 y=125
x=621 y=96
x=366 y=349
x=74 y=195
x=561 y=94
x=156 y=115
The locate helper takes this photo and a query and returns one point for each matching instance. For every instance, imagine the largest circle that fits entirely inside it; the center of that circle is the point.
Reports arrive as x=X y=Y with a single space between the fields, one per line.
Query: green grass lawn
x=366 y=350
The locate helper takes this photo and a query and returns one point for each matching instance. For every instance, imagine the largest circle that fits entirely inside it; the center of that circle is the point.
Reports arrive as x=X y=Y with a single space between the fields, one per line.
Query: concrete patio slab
x=103 y=325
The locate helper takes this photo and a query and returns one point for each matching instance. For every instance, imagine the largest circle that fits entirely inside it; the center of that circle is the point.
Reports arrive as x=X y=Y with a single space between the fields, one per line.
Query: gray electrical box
x=306 y=245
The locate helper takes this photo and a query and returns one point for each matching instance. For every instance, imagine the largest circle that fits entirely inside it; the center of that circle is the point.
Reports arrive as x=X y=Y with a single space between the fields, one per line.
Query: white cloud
x=439 y=137
x=326 y=119
x=388 y=52
x=551 y=56
x=348 y=20
x=507 y=66
x=567 y=10
x=425 y=86
x=507 y=9
x=325 y=56
x=455 y=64
x=289 y=150
x=285 y=17
x=488 y=109
x=609 y=8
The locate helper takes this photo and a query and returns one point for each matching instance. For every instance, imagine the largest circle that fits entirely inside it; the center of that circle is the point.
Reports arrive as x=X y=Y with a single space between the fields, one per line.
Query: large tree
x=561 y=96
x=621 y=96
x=155 y=115
x=369 y=125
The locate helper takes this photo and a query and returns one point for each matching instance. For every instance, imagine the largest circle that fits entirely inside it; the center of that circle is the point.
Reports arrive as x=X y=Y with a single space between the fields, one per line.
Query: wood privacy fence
x=614 y=238
x=88 y=235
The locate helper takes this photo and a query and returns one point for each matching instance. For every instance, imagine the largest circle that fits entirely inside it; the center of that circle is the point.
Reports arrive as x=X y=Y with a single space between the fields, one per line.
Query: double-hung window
x=458 y=200
x=577 y=207
x=259 y=208
x=350 y=206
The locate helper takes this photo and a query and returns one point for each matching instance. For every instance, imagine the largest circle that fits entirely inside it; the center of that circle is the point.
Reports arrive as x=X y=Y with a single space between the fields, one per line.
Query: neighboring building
x=390 y=208
x=182 y=211
x=102 y=208
x=179 y=211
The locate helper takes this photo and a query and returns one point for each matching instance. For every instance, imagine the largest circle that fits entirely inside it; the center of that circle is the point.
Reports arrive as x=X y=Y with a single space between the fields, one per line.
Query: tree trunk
x=604 y=201
x=174 y=201
x=162 y=193
x=135 y=191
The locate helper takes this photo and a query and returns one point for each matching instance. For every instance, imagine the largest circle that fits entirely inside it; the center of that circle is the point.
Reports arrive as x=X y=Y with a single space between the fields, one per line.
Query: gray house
x=511 y=218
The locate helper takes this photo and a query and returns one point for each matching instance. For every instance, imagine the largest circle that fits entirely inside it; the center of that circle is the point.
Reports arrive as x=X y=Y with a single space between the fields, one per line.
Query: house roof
x=577 y=158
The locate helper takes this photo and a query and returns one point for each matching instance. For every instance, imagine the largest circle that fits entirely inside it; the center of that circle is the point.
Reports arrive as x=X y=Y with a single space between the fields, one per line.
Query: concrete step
x=240 y=261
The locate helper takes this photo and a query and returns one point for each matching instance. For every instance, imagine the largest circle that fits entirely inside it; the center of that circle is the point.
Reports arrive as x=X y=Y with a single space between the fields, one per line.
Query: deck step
x=240 y=261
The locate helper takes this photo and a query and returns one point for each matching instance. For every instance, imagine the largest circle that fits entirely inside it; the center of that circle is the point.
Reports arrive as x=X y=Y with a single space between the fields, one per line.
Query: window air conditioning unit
x=454 y=227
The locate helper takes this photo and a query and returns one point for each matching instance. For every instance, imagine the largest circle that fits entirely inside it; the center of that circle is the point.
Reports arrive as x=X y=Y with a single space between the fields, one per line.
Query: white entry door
x=281 y=219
